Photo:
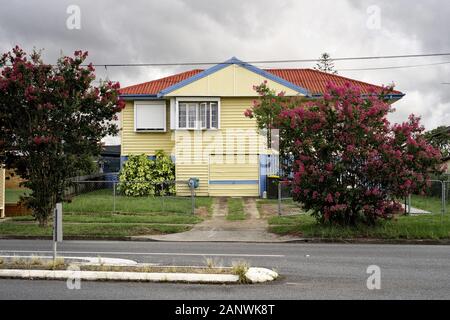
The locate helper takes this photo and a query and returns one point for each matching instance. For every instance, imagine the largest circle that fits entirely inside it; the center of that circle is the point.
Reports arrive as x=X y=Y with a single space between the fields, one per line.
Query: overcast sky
x=209 y=30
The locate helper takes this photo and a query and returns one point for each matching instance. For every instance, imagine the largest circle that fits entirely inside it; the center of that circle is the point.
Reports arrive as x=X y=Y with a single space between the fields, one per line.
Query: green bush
x=141 y=176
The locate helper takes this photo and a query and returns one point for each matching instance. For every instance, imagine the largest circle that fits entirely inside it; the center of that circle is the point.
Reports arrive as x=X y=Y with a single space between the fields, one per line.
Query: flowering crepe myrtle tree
x=350 y=163
x=52 y=120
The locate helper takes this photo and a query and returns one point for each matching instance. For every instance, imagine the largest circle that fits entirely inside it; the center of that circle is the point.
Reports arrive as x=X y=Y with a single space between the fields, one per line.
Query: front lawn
x=91 y=215
x=428 y=226
x=103 y=201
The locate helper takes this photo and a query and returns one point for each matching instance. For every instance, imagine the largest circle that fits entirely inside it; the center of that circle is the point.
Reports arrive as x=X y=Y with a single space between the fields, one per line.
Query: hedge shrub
x=141 y=176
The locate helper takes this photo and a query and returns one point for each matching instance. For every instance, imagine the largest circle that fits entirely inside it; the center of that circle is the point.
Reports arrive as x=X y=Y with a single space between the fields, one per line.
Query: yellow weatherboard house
x=197 y=117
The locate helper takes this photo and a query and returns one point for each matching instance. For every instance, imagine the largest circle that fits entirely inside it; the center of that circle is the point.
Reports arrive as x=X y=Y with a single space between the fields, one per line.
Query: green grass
x=13 y=195
x=122 y=218
x=102 y=201
x=427 y=226
x=90 y=229
x=431 y=204
x=235 y=209
x=90 y=215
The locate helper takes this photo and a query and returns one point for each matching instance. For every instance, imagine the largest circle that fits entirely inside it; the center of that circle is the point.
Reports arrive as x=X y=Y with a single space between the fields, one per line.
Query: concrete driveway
x=218 y=228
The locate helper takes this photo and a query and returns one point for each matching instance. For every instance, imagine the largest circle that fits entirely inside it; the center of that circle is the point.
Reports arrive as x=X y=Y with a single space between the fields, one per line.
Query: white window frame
x=200 y=106
x=198 y=101
x=188 y=116
x=211 y=116
x=177 y=115
x=150 y=102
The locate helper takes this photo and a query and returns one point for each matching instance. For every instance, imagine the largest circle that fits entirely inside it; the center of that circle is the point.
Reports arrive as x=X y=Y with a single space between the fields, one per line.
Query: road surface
x=308 y=271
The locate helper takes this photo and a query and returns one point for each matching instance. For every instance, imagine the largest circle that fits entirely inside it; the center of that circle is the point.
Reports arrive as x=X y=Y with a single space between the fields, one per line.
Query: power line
x=396 y=67
x=198 y=63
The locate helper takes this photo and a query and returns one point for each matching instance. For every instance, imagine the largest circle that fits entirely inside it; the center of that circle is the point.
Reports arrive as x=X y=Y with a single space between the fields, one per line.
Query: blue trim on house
x=231 y=61
x=233 y=181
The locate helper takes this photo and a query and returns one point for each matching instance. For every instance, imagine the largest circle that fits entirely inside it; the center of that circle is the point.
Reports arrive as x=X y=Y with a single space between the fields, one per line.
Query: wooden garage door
x=233 y=175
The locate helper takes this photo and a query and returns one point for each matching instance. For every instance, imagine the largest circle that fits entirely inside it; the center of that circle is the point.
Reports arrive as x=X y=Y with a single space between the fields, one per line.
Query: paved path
x=416 y=210
x=308 y=271
x=218 y=228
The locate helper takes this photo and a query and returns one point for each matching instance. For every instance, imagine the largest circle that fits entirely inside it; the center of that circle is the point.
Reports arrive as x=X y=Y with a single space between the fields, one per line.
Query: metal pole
x=443 y=200
x=162 y=195
x=54 y=251
x=445 y=197
x=55 y=221
x=279 y=198
x=114 y=196
x=409 y=204
x=192 y=199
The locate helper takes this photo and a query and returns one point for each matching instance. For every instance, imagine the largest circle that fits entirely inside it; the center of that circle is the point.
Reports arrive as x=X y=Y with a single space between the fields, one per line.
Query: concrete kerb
x=93 y=261
x=253 y=275
x=118 y=276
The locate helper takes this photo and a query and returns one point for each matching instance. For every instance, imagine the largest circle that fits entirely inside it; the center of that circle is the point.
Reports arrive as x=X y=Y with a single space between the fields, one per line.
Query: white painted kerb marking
x=149 y=253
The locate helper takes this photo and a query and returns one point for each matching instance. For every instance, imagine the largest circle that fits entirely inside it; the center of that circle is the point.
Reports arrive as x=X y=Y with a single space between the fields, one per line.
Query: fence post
x=191 y=186
x=114 y=196
x=162 y=195
x=443 y=200
x=409 y=204
x=279 y=198
x=192 y=198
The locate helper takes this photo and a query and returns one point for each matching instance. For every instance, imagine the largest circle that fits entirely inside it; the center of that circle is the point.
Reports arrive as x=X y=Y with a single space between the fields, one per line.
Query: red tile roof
x=316 y=81
x=313 y=80
x=155 y=86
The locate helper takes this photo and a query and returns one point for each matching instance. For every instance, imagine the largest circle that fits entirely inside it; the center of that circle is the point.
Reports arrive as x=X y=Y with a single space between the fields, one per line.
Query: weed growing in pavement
x=240 y=269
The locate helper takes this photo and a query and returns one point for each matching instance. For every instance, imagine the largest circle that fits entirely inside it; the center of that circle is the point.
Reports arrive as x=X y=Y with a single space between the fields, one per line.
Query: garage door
x=233 y=175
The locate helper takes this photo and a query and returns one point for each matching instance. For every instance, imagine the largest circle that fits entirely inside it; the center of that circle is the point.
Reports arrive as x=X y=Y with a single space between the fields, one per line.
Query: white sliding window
x=202 y=115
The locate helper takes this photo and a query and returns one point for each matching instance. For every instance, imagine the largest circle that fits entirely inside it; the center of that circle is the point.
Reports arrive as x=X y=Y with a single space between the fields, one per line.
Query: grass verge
x=95 y=230
x=428 y=226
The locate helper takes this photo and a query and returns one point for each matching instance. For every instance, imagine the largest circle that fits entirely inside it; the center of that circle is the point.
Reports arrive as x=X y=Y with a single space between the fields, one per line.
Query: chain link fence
x=433 y=201
x=436 y=200
x=286 y=204
x=110 y=196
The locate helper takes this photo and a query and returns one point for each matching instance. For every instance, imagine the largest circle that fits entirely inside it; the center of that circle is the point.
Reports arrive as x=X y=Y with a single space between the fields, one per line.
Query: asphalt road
x=308 y=271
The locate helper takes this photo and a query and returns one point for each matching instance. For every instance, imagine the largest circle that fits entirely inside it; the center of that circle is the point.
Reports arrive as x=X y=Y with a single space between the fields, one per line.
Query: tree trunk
x=43 y=222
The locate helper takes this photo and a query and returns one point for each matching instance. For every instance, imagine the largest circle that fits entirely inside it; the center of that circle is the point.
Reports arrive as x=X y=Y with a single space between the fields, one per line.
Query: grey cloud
x=206 y=30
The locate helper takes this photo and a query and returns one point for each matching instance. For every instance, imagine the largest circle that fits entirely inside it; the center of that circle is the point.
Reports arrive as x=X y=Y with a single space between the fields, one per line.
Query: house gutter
x=391 y=97
x=139 y=97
